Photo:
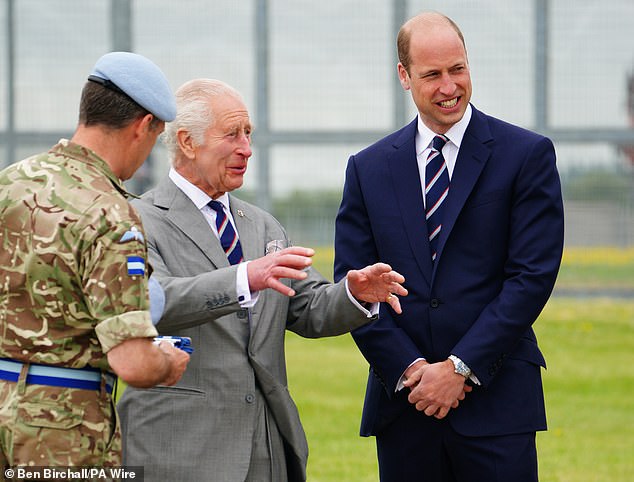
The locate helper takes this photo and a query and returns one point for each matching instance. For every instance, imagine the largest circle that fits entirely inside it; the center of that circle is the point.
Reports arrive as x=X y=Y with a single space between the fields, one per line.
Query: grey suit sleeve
x=321 y=308
x=194 y=300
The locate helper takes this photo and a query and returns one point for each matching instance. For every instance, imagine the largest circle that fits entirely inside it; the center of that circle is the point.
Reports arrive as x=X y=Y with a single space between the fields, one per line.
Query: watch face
x=460 y=367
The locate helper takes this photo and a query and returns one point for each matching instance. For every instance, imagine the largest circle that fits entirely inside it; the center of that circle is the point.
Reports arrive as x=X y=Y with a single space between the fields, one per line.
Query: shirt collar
x=197 y=196
x=454 y=134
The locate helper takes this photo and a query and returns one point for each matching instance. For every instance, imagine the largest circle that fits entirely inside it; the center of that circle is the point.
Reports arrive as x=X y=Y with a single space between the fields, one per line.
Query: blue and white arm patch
x=136 y=266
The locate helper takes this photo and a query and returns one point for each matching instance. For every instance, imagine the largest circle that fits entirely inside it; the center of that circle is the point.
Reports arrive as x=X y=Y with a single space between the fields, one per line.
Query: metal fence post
x=263 y=139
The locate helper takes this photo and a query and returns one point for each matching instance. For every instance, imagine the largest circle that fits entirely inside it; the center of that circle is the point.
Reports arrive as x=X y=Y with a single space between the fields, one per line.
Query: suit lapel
x=250 y=239
x=472 y=157
x=403 y=169
x=185 y=216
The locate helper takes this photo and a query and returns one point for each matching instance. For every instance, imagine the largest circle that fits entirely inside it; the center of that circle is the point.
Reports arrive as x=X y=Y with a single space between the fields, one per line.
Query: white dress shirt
x=425 y=136
x=201 y=200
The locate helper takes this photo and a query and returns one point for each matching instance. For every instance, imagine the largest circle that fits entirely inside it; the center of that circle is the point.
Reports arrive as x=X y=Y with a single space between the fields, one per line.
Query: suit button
x=250 y=398
x=434 y=303
x=242 y=314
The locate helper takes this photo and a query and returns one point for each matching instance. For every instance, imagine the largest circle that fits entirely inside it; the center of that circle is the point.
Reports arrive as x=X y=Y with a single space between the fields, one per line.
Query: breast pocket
x=487 y=198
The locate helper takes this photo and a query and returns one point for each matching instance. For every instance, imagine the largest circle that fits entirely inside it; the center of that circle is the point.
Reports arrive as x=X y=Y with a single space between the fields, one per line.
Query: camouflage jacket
x=73 y=282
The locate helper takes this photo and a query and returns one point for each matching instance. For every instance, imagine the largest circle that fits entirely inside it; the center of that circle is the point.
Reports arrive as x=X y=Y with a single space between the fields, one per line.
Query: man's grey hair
x=194 y=112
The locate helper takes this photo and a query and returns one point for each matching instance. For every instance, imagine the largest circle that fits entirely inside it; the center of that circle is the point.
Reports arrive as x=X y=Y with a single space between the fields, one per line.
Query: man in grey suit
x=231 y=417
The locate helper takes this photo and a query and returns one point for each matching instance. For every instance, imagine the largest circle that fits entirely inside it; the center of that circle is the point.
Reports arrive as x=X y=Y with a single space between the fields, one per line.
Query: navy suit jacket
x=499 y=253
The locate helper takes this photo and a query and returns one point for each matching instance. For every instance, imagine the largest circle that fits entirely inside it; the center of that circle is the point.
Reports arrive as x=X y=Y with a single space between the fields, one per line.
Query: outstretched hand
x=377 y=283
x=266 y=272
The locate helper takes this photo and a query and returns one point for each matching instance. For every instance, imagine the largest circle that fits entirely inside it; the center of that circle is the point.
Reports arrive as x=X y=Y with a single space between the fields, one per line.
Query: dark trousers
x=418 y=448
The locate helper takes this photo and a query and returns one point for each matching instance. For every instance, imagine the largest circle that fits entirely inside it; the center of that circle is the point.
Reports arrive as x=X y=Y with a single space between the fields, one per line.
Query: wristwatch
x=460 y=367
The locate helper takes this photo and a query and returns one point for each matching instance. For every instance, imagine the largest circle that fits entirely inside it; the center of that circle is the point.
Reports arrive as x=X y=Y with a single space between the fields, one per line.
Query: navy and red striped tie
x=228 y=236
x=436 y=190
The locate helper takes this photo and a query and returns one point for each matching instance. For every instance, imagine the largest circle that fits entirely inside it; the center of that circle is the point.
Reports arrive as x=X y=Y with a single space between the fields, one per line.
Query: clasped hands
x=372 y=284
x=435 y=388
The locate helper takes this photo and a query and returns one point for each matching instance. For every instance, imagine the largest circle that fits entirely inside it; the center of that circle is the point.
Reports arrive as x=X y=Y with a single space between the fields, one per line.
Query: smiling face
x=218 y=164
x=438 y=74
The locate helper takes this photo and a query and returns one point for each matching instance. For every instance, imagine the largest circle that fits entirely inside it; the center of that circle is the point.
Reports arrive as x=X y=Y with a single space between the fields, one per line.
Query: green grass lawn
x=589 y=347
x=597 y=269
x=589 y=384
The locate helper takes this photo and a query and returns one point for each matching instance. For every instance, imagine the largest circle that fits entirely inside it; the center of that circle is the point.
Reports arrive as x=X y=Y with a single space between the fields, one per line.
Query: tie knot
x=216 y=206
x=439 y=142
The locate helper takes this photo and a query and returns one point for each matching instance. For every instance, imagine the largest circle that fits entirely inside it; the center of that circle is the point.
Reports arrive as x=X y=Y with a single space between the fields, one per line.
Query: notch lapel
x=472 y=157
x=185 y=216
x=251 y=239
x=405 y=178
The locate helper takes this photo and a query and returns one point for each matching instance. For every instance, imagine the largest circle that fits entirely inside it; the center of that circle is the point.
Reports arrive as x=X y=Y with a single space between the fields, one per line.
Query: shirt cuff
x=245 y=297
x=370 y=310
x=474 y=379
x=399 y=385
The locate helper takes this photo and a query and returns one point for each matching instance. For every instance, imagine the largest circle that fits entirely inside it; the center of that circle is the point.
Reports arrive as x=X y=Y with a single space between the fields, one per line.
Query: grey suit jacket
x=202 y=428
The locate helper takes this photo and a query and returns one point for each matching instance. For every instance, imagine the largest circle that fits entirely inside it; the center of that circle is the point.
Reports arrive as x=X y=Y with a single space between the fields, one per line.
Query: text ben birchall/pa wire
x=73 y=473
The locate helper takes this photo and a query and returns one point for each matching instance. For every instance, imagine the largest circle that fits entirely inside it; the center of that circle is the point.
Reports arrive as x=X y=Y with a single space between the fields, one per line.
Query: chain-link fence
x=320 y=81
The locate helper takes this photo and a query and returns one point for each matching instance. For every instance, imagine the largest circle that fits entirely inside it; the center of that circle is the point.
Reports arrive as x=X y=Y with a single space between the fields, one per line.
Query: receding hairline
x=430 y=19
x=207 y=88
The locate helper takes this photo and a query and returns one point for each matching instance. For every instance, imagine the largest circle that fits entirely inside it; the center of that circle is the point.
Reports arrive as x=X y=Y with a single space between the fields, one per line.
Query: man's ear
x=146 y=123
x=186 y=143
x=141 y=126
x=403 y=76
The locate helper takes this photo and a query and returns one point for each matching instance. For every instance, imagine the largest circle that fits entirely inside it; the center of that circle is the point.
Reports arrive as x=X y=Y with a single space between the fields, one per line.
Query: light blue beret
x=140 y=79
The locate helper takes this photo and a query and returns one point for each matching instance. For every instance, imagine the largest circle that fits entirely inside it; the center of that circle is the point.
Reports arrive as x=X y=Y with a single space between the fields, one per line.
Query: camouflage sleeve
x=115 y=277
x=116 y=329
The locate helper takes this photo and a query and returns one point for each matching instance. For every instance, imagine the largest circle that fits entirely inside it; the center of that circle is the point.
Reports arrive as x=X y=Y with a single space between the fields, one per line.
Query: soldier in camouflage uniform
x=73 y=281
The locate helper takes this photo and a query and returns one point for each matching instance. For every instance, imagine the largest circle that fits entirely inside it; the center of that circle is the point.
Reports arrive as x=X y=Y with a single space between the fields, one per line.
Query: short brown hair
x=102 y=106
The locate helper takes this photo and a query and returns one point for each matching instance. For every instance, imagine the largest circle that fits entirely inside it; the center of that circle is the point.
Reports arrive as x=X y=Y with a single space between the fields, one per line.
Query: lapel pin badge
x=240 y=213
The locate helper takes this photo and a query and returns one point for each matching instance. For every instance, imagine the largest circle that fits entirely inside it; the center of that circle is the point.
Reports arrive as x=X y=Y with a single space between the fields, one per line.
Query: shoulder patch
x=132 y=234
x=136 y=266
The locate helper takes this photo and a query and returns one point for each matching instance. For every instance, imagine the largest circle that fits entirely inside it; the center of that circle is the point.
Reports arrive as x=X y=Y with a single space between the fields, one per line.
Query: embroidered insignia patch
x=134 y=233
x=136 y=266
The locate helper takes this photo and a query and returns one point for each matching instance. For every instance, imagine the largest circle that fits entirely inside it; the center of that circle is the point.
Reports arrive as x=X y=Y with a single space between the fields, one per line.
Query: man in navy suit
x=454 y=391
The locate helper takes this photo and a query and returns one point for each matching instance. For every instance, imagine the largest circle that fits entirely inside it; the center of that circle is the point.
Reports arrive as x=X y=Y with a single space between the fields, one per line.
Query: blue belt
x=85 y=378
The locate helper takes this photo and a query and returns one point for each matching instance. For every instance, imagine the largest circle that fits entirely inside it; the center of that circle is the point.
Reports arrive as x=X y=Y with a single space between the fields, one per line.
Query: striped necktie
x=228 y=236
x=436 y=189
